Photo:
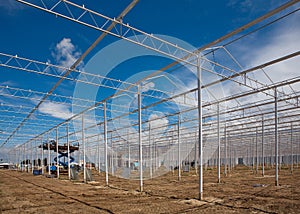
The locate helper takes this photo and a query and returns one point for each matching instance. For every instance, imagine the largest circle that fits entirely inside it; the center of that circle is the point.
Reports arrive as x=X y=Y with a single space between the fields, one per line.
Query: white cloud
x=158 y=121
x=65 y=53
x=275 y=41
x=279 y=42
x=147 y=86
x=56 y=110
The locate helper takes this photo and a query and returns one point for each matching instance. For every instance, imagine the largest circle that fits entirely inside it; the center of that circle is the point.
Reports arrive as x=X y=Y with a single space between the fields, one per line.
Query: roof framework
x=263 y=113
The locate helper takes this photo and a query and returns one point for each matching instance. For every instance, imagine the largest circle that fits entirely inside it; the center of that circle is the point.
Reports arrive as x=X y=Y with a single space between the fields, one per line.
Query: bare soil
x=241 y=191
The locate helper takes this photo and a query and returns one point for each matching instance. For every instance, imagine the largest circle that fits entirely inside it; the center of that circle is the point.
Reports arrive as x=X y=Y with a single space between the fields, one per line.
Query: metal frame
x=237 y=125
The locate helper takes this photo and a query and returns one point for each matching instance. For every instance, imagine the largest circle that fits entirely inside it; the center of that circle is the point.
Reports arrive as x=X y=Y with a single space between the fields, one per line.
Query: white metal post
x=292 y=159
x=57 y=166
x=49 y=156
x=129 y=160
x=252 y=152
x=262 y=146
x=150 y=148
x=115 y=162
x=36 y=153
x=256 y=139
x=140 y=138
x=195 y=159
x=24 y=158
x=83 y=144
x=42 y=150
x=219 y=144
x=105 y=143
x=31 y=153
x=173 y=156
x=230 y=155
x=298 y=151
x=279 y=152
x=199 y=84
x=18 y=158
x=179 y=158
x=276 y=138
x=225 y=150
x=68 y=144
x=99 y=155
x=79 y=151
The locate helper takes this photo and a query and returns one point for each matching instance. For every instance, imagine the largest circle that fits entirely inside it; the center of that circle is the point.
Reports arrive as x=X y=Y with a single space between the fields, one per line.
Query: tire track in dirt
x=59 y=193
x=195 y=208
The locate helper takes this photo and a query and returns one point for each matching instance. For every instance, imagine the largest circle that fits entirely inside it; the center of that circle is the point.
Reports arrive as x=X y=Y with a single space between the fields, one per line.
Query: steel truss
x=230 y=124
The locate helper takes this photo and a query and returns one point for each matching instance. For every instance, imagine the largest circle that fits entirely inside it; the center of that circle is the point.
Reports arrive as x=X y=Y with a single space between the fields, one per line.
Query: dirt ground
x=241 y=191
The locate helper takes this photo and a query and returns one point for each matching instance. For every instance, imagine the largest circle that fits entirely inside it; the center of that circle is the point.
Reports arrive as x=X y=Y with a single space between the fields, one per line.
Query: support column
x=219 y=143
x=256 y=139
x=292 y=159
x=68 y=144
x=200 y=129
x=150 y=148
x=36 y=153
x=99 y=155
x=173 y=156
x=57 y=166
x=31 y=153
x=83 y=145
x=225 y=150
x=105 y=143
x=196 y=164
x=179 y=158
x=129 y=153
x=230 y=153
x=298 y=150
x=276 y=137
x=253 y=161
x=42 y=150
x=262 y=146
x=140 y=138
x=24 y=158
x=49 y=155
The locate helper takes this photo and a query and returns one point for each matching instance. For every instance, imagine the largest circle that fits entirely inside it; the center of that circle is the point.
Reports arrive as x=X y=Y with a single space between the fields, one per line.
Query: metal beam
x=77 y=62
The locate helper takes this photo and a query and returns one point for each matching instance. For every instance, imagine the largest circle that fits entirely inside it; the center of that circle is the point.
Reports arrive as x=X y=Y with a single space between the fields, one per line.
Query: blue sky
x=34 y=34
x=29 y=32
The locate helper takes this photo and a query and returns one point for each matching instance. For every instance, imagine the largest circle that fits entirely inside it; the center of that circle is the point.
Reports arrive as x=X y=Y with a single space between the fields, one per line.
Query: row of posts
x=198 y=160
